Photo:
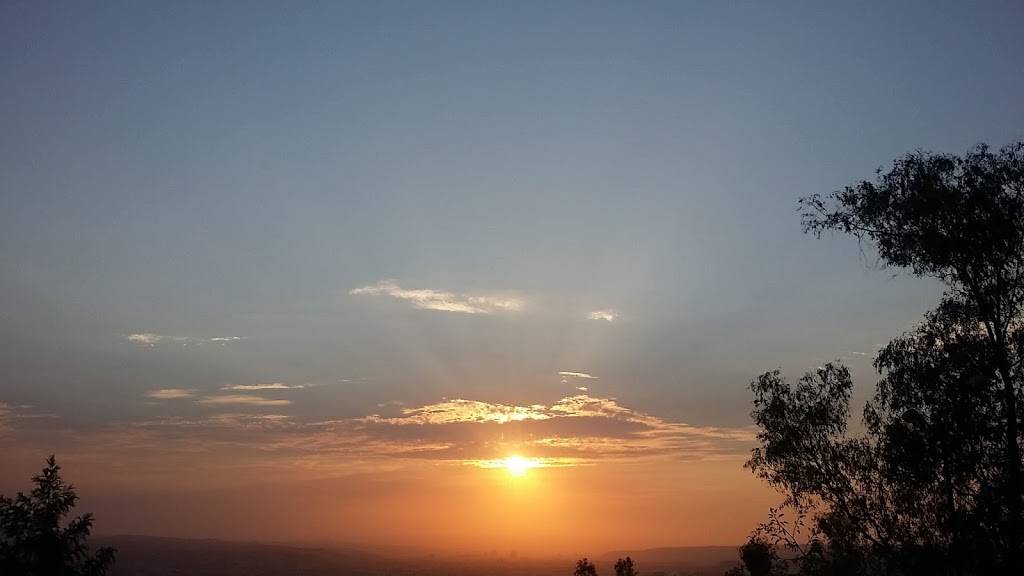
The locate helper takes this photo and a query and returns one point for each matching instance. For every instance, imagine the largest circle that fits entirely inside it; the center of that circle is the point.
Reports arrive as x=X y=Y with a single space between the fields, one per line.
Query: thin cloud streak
x=152 y=339
x=267 y=386
x=583 y=375
x=442 y=301
x=170 y=393
x=243 y=399
x=459 y=410
x=606 y=315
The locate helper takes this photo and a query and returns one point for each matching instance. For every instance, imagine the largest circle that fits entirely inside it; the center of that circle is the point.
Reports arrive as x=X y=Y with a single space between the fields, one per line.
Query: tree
x=625 y=567
x=758 y=557
x=960 y=220
x=32 y=539
x=585 y=568
x=933 y=486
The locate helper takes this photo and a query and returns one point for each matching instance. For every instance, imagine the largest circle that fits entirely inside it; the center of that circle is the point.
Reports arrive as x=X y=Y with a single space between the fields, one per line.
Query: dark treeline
x=934 y=484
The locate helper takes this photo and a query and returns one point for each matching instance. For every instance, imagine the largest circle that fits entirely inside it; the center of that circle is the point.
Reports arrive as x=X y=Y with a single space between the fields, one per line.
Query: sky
x=317 y=271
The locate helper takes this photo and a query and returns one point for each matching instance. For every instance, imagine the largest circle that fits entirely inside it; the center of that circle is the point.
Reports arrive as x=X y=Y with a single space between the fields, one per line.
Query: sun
x=517 y=465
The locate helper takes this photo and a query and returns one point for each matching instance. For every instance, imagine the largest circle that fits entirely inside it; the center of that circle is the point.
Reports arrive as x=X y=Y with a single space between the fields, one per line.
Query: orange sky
x=606 y=477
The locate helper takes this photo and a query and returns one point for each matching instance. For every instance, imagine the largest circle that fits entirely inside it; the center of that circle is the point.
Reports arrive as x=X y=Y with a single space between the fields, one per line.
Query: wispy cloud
x=170 y=393
x=606 y=314
x=583 y=375
x=576 y=428
x=523 y=463
x=566 y=376
x=850 y=356
x=246 y=430
x=267 y=386
x=427 y=299
x=13 y=414
x=243 y=399
x=460 y=410
x=153 y=339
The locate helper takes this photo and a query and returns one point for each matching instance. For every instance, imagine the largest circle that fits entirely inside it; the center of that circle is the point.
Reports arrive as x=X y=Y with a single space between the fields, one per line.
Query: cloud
x=427 y=299
x=850 y=356
x=268 y=386
x=5 y=416
x=152 y=339
x=524 y=463
x=170 y=394
x=580 y=375
x=583 y=375
x=460 y=410
x=575 y=429
x=13 y=415
x=243 y=399
x=607 y=315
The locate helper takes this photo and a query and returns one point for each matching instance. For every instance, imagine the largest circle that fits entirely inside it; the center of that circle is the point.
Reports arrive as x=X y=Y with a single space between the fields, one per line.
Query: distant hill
x=154 y=556
x=679 y=557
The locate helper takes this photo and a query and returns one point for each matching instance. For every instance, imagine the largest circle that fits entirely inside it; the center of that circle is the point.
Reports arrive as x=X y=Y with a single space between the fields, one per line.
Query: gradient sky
x=306 y=270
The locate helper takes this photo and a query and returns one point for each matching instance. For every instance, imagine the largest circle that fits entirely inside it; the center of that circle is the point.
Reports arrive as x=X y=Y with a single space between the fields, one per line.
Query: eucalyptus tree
x=934 y=484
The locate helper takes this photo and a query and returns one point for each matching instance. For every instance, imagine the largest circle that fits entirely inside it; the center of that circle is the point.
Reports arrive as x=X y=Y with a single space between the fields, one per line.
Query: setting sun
x=517 y=465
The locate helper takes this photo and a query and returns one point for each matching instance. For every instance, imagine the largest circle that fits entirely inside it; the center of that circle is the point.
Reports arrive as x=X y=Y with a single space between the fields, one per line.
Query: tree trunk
x=1013 y=463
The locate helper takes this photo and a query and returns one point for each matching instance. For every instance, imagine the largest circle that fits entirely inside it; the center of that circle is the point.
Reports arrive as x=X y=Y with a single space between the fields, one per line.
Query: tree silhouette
x=758 y=557
x=625 y=567
x=585 y=567
x=32 y=540
x=934 y=484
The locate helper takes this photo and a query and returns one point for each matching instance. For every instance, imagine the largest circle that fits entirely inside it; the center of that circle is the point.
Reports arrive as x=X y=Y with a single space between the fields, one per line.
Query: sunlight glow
x=514 y=464
x=517 y=465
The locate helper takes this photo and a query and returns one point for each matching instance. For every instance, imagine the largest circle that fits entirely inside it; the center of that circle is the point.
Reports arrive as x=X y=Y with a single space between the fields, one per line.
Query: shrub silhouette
x=585 y=567
x=758 y=557
x=625 y=567
x=32 y=540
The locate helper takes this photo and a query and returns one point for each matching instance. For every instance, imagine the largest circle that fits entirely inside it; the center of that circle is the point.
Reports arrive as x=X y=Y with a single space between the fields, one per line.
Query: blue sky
x=236 y=169
x=218 y=170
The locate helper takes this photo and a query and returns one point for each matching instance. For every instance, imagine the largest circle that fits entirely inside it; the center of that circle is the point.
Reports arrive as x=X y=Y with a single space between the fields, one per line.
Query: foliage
x=625 y=567
x=758 y=557
x=934 y=484
x=32 y=540
x=585 y=567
